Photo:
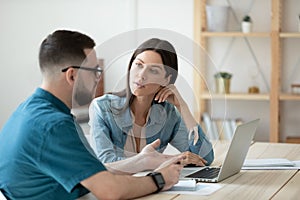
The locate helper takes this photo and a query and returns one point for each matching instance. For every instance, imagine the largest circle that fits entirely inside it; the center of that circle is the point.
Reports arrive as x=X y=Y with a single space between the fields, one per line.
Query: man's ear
x=71 y=76
x=167 y=80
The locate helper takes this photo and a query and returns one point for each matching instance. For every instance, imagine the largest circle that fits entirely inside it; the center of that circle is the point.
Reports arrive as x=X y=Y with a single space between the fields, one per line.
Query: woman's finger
x=192 y=158
x=159 y=93
x=165 y=95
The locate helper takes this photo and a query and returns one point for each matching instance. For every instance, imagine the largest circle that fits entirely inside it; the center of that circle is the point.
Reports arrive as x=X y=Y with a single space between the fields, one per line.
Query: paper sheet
x=201 y=189
x=184 y=185
x=271 y=163
x=2 y=196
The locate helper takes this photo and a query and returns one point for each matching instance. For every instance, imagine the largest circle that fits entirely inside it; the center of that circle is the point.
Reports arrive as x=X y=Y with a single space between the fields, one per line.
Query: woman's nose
x=143 y=74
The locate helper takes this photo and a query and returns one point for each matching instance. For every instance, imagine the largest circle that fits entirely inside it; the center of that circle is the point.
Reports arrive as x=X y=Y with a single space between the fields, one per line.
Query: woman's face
x=147 y=74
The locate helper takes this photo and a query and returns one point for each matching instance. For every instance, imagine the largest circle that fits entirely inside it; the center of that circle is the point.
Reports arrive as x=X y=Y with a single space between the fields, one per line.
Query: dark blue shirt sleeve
x=66 y=158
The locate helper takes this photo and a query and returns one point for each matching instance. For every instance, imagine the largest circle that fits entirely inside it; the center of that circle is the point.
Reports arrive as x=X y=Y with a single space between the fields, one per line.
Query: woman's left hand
x=171 y=94
x=191 y=158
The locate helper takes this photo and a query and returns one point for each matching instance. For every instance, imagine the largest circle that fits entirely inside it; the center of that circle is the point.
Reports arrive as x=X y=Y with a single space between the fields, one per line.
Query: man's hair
x=62 y=48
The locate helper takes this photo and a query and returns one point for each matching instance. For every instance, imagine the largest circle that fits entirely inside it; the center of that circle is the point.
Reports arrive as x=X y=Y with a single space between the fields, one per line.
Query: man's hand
x=147 y=159
x=152 y=158
x=171 y=171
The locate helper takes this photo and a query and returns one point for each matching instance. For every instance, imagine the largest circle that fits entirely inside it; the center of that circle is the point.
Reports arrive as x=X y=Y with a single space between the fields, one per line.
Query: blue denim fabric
x=109 y=129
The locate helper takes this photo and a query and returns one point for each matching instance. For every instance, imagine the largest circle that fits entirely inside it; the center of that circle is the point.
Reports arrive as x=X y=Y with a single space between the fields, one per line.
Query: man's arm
x=105 y=185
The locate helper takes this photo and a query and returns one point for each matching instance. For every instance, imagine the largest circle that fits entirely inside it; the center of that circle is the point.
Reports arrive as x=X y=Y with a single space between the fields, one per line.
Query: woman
x=149 y=108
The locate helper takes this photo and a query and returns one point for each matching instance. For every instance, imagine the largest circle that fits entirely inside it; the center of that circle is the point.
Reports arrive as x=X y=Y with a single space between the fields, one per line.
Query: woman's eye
x=154 y=71
x=139 y=65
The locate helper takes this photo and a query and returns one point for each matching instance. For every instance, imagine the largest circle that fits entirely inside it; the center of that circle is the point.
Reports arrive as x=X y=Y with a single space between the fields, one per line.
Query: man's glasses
x=97 y=70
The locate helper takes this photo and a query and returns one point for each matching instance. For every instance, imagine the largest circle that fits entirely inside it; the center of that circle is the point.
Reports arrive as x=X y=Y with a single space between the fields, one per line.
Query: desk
x=253 y=184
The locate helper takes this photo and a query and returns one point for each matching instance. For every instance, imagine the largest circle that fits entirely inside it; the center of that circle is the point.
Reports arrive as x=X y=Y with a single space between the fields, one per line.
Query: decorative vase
x=222 y=85
x=246 y=27
x=223 y=82
x=217 y=18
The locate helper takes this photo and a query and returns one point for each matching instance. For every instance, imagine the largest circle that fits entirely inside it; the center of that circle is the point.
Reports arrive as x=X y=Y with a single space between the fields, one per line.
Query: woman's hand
x=191 y=158
x=171 y=94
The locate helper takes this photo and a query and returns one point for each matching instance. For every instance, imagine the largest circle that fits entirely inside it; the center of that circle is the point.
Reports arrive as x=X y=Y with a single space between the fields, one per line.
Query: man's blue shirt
x=43 y=152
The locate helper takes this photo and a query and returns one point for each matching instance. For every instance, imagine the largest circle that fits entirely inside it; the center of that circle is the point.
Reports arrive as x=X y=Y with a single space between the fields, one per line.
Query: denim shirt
x=110 y=127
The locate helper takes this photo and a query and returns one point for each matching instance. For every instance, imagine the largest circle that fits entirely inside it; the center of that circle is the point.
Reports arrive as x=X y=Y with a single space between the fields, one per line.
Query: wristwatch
x=158 y=180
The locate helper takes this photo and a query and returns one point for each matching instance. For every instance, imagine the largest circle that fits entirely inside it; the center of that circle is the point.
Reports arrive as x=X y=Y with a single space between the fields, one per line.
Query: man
x=43 y=152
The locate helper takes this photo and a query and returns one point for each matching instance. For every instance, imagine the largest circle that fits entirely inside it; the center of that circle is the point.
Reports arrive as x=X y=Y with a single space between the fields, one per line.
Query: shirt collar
x=157 y=116
x=53 y=99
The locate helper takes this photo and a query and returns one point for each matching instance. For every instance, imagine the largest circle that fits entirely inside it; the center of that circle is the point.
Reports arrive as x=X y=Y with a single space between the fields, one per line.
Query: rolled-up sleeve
x=184 y=140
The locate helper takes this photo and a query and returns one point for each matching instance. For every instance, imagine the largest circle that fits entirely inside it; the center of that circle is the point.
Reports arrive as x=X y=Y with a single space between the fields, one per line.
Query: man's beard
x=83 y=99
x=82 y=96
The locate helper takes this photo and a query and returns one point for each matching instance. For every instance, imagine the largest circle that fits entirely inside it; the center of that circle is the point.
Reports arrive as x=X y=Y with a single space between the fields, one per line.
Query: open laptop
x=235 y=156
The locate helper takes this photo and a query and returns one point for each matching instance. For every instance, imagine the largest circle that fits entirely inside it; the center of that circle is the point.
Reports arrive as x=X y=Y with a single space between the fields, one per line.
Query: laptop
x=234 y=159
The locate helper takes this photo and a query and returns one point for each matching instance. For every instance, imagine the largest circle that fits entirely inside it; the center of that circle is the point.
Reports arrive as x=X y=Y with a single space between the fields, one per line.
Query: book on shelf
x=219 y=129
x=210 y=127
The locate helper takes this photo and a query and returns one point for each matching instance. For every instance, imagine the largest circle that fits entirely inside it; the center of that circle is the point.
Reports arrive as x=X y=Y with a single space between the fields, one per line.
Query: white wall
x=175 y=19
x=24 y=24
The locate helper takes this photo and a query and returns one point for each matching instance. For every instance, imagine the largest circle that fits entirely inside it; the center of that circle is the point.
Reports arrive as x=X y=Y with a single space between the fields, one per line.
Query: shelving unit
x=275 y=96
x=289 y=35
x=234 y=34
x=235 y=96
x=289 y=97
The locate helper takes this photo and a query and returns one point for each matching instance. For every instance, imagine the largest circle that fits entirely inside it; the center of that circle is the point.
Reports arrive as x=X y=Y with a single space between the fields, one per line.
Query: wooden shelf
x=235 y=96
x=235 y=34
x=295 y=140
x=290 y=35
x=289 y=97
x=274 y=97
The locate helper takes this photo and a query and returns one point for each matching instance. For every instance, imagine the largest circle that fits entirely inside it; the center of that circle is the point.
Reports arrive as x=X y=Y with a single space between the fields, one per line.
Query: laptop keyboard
x=207 y=173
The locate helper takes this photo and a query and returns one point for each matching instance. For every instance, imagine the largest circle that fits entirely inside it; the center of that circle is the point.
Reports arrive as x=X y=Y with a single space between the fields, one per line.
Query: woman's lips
x=138 y=85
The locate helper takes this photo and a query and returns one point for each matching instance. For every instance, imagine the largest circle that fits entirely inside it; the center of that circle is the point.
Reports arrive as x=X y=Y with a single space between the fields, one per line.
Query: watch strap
x=158 y=180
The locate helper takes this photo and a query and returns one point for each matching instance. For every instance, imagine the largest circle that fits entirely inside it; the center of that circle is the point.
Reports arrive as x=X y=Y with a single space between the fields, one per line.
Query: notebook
x=235 y=156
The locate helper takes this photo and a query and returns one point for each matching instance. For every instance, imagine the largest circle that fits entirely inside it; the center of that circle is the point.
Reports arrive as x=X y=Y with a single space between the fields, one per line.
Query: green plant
x=247 y=18
x=224 y=75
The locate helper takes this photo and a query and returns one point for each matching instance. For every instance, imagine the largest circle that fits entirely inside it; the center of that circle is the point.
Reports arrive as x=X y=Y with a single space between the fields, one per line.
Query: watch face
x=159 y=178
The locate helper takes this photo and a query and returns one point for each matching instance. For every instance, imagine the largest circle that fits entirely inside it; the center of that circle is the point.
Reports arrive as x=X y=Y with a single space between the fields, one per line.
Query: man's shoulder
x=41 y=114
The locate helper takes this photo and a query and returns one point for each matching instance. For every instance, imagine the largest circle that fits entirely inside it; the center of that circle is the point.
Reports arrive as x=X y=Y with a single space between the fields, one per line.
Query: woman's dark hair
x=63 y=47
x=169 y=58
x=166 y=52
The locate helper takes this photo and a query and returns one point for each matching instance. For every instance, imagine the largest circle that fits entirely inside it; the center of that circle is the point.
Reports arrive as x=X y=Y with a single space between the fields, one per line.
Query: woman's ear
x=167 y=80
